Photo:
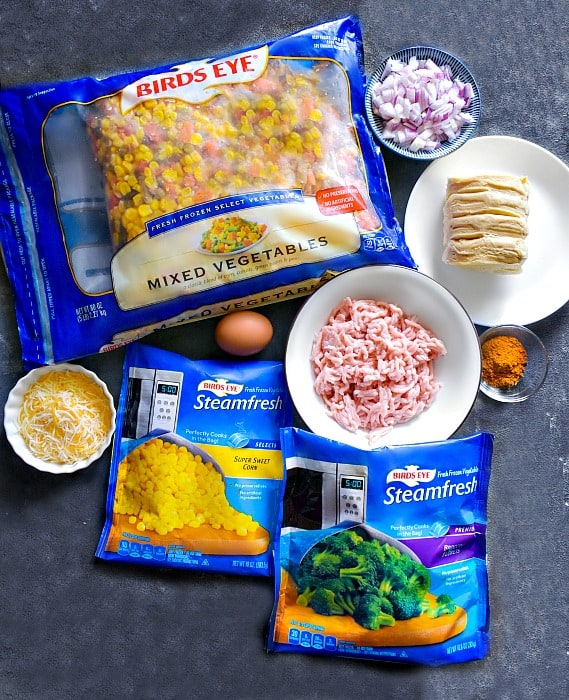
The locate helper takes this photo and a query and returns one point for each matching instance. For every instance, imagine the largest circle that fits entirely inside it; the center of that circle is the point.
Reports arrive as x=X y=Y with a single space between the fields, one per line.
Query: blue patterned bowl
x=459 y=72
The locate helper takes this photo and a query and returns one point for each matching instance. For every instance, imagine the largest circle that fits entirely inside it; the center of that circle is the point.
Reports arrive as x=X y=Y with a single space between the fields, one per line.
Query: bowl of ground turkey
x=383 y=355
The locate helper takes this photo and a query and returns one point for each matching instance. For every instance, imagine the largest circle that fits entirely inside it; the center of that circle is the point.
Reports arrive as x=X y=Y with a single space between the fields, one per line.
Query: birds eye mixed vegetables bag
x=153 y=198
x=382 y=554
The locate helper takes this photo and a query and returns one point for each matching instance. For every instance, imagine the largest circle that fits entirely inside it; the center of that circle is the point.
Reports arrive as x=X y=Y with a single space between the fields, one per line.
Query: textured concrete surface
x=72 y=627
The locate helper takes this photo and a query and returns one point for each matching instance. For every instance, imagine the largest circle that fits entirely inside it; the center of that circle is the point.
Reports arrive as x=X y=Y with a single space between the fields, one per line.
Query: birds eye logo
x=220 y=387
x=411 y=475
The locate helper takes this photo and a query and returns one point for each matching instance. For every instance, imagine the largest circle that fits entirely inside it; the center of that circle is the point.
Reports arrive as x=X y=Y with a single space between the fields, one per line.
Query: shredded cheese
x=65 y=417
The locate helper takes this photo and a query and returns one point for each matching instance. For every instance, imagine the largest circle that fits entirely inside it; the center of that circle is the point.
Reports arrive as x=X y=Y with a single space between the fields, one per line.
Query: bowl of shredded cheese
x=59 y=418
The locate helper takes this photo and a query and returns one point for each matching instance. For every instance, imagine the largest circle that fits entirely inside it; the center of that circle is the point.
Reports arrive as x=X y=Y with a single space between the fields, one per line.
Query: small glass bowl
x=535 y=371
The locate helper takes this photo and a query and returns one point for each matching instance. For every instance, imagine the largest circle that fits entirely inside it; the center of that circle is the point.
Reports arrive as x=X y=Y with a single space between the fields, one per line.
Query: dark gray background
x=74 y=627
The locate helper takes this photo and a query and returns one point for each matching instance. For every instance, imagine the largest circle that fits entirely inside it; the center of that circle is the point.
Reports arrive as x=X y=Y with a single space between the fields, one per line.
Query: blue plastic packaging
x=112 y=187
x=197 y=468
x=426 y=503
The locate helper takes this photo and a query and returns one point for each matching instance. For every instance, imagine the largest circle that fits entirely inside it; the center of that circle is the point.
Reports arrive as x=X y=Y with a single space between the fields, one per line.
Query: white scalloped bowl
x=12 y=410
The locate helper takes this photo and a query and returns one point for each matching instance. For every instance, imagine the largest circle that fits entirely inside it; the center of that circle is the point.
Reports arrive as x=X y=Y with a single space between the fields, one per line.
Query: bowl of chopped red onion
x=422 y=103
x=380 y=355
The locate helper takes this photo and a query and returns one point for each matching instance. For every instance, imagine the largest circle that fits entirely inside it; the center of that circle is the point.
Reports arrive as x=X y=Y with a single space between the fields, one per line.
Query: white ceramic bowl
x=435 y=307
x=12 y=410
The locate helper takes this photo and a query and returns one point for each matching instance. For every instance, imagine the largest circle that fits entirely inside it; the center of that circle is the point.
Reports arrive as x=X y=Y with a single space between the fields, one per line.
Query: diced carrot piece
x=154 y=132
x=310 y=179
x=255 y=168
x=263 y=85
x=211 y=147
x=306 y=107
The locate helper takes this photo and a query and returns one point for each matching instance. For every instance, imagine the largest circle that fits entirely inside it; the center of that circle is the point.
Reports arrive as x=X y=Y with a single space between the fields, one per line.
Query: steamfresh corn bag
x=197 y=468
x=149 y=199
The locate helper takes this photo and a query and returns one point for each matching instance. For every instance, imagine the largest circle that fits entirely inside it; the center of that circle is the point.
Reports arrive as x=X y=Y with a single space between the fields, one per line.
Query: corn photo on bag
x=153 y=198
x=382 y=553
x=197 y=468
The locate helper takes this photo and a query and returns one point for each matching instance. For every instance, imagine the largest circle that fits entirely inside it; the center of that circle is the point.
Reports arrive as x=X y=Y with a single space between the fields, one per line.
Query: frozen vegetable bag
x=148 y=199
x=382 y=554
x=196 y=469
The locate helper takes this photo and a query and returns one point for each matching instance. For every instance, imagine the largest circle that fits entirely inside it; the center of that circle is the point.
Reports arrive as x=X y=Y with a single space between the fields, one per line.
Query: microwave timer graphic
x=153 y=400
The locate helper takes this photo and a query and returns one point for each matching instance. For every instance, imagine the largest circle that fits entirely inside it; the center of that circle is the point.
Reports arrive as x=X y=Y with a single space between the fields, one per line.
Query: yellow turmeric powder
x=504 y=361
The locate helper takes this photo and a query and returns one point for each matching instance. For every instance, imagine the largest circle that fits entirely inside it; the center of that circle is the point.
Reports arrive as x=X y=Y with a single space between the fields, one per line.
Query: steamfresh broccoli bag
x=197 y=468
x=382 y=554
x=152 y=198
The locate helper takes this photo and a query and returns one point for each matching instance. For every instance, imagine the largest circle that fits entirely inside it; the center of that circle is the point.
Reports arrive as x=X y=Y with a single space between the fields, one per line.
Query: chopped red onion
x=420 y=104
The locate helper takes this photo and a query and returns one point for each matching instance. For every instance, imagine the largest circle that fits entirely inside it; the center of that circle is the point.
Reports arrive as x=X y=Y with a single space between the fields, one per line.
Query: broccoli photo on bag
x=377 y=584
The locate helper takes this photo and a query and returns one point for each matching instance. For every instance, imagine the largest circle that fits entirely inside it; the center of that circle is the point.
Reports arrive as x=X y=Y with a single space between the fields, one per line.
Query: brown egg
x=243 y=333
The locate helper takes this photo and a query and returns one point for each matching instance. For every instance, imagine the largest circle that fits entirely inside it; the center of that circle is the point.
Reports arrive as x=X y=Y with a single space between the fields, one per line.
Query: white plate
x=543 y=285
x=435 y=307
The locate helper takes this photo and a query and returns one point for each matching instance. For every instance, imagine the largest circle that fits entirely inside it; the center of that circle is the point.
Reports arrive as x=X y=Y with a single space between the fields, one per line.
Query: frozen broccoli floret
x=406 y=604
x=369 y=564
x=325 y=565
x=345 y=594
x=418 y=576
x=371 y=612
x=444 y=605
x=363 y=573
x=393 y=578
x=343 y=541
x=306 y=585
x=323 y=602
